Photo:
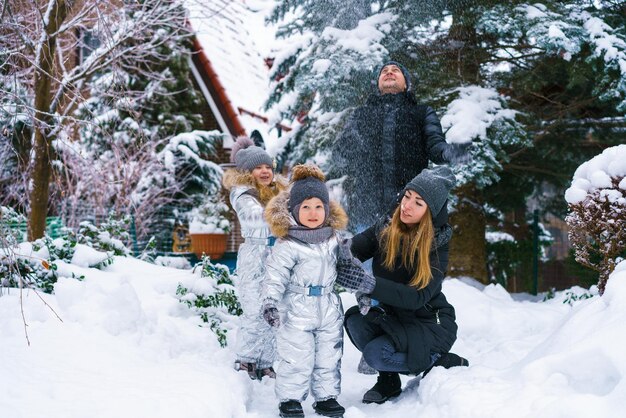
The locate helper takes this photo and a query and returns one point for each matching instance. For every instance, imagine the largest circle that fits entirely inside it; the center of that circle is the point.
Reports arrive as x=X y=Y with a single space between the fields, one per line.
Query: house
x=230 y=73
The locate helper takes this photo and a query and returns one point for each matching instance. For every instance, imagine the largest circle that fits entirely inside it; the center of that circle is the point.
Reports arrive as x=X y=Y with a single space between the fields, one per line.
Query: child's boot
x=290 y=409
x=247 y=367
x=267 y=371
x=329 y=408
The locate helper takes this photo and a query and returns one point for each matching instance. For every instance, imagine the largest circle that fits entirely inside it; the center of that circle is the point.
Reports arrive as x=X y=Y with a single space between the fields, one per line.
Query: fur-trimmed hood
x=279 y=218
x=240 y=178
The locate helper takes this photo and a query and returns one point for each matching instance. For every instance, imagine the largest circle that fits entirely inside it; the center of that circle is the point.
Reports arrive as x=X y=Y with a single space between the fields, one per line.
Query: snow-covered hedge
x=597 y=217
x=40 y=264
x=212 y=296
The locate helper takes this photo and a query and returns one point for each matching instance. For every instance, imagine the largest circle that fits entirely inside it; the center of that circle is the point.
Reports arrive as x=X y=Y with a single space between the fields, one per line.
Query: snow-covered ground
x=123 y=346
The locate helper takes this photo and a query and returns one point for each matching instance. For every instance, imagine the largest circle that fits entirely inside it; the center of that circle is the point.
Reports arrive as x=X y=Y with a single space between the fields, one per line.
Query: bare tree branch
x=40 y=43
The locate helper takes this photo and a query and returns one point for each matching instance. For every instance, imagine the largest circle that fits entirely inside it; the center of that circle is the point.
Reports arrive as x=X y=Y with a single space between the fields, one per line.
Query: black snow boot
x=268 y=371
x=447 y=361
x=250 y=368
x=329 y=408
x=290 y=409
x=387 y=386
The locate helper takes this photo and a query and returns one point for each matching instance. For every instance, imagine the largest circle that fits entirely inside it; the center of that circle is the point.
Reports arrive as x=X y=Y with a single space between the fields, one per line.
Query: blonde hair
x=414 y=241
x=266 y=193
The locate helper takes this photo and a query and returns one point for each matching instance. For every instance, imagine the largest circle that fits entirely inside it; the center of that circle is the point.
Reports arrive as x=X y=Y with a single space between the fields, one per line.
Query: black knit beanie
x=307 y=182
x=433 y=185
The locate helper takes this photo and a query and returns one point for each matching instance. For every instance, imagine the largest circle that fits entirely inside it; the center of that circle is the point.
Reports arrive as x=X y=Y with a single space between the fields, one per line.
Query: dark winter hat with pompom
x=405 y=73
x=247 y=156
x=307 y=182
x=433 y=186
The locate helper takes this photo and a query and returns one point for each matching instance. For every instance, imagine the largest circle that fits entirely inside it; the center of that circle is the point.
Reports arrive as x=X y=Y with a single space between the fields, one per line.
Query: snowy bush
x=212 y=217
x=37 y=264
x=212 y=297
x=38 y=268
x=180 y=263
x=597 y=212
x=150 y=253
x=572 y=296
x=109 y=236
x=10 y=233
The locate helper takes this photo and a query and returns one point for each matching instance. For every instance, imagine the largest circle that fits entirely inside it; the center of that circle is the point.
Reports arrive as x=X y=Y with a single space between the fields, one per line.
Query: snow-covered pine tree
x=467 y=59
x=554 y=74
x=324 y=70
x=134 y=102
x=184 y=177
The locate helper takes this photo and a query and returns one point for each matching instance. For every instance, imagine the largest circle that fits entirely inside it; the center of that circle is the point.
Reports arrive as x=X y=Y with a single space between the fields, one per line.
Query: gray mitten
x=368 y=284
x=343 y=250
x=458 y=153
x=270 y=314
x=352 y=276
x=365 y=302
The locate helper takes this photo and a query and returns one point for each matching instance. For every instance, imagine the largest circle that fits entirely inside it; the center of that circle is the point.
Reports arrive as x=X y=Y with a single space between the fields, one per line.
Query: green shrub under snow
x=109 y=236
x=212 y=297
x=36 y=264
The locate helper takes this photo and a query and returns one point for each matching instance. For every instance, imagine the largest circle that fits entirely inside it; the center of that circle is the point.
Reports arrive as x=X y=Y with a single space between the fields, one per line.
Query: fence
x=549 y=267
x=54 y=225
x=554 y=268
x=159 y=226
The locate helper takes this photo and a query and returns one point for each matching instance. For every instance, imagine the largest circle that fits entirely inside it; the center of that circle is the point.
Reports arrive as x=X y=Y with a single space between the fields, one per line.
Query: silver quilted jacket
x=299 y=280
x=255 y=340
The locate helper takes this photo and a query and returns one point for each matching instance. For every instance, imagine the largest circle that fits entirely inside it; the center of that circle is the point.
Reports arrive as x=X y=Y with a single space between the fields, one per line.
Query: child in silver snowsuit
x=298 y=296
x=252 y=183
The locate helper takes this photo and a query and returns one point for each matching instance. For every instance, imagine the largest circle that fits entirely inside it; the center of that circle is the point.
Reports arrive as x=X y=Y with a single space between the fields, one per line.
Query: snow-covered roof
x=222 y=30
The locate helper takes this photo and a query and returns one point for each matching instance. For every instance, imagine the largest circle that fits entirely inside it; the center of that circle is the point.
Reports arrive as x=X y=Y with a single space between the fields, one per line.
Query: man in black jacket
x=386 y=143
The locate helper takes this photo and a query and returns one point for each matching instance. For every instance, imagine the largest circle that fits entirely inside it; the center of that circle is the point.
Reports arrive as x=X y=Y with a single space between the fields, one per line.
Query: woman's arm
x=408 y=297
x=365 y=244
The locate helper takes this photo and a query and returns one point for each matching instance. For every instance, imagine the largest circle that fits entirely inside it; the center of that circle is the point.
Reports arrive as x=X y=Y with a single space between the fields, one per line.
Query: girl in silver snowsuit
x=298 y=296
x=252 y=184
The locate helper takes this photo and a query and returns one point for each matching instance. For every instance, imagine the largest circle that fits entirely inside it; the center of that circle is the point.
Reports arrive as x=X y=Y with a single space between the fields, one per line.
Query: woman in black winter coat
x=413 y=327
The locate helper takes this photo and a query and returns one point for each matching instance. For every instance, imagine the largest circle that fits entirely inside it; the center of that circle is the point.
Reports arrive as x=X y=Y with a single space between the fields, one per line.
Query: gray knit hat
x=307 y=182
x=433 y=185
x=247 y=156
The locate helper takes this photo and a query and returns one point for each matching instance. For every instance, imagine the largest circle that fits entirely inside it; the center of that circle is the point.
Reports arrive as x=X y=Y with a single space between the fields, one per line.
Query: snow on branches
x=54 y=56
x=597 y=217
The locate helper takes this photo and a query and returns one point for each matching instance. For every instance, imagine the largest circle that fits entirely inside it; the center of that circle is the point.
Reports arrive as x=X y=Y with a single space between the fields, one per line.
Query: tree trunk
x=468 y=251
x=44 y=73
x=468 y=247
